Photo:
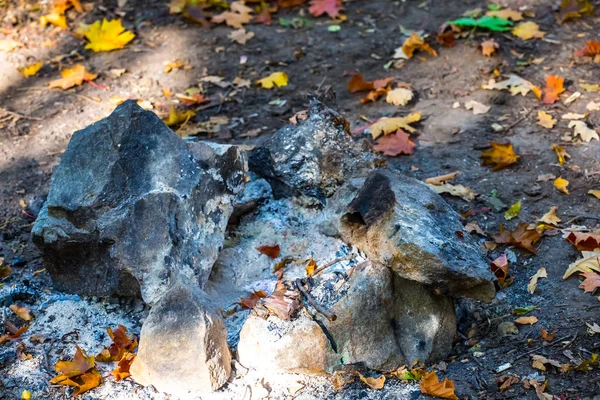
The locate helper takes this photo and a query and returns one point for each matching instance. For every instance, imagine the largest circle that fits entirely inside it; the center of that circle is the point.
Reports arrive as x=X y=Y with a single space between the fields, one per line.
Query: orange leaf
x=395 y=144
x=270 y=251
x=413 y=43
x=122 y=343
x=591 y=281
x=500 y=268
x=554 y=87
x=21 y=311
x=83 y=382
x=489 y=47
x=591 y=49
x=584 y=241
x=122 y=370
x=250 y=301
x=81 y=363
x=73 y=77
x=523 y=238
x=430 y=385
x=329 y=7
x=526 y=320
x=310 y=267
x=500 y=156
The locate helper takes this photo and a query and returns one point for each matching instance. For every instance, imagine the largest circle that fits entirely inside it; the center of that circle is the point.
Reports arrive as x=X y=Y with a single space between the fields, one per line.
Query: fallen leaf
x=67 y=369
x=310 y=267
x=173 y=65
x=584 y=241
x=373 y=383
x=550 y=217
x=282 y=302
x=500 y=156
x=521 y=237
x=278 y=79
x=8 y=45
x=546 y=120
x=477 y=107
x=489 y=47
x=593 y=106
x=72 y=77
x=238 y=15
x=358 y=84
x=431 y=385
x=461 y=191
x=554 y=87
x=523 y=310
x=545 y=177
x=590 y=261
x=572 y=116
x=541 y=273
x=515 y=84
x=438 y=180
x=329 y=7
x=251 y=300
x=5 y=270
x=526 y=320
x=446 y=39
x=107 y=35
x=591 y=49
x=507 y=13
x=240 y=36
x=595 y=193
x=486 y=22
x=399 y=96
x=571 y=9
x=385 y=126
x=269 y=251
x=593 y=328
x=122 y=343
x=122 y=370
x=561 y=153
x=528 y=30
x=539 y=362
x=561 y=185
x=581 y=129
x=21 y=311
x=500 y=269
x=547 y=336
x=590 y=88
x=412 y=44
x=31 y=69
x=591 y=282
x=474 y=227
x=513 y=211
x=395 y=144
x=504 y=382
x=177 y=117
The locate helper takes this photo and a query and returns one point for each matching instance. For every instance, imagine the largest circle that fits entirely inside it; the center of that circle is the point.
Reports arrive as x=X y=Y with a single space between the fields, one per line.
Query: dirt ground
x=36 y=124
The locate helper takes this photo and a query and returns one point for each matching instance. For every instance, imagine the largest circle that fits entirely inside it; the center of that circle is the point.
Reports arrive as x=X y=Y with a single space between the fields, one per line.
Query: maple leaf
x=504 y=382
x=591 y=282
x=385 y=126
x=461 y=191
x=31 y=69
x=431 y=385
x=410 y=45
x=72 y=77
x=584 y=241
x=500 y=269
x=282 y=302
x=525 y=238
x=395 y=144
x=546 y=120
x=561 y=185
x=561 y=153
x=582 y=130
x=122 y=370
x=515 y=84
x=500 y=156
x=269 y=251
x=591 y=49
x=507 y=13
x=550 y=217
x=489 y=47
x=571 y=9
x=67 y=369
x=526 y=320
x=278 y=79
x=532 y=285
x=554 y=87
x=21 y=311
x=251 y=300
x=590 y=261
x=329 y=7
x=239 y=15
x=399 y=96
x=107 y=35
x=240 y=36
x=122 y=343
x=477 y=107
x=528 y=30
x=593 y=106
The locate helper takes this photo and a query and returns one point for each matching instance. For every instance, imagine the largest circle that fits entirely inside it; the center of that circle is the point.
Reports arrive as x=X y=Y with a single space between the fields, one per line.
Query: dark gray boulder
x=398 y=222
x=314 y=157
x=132 y=205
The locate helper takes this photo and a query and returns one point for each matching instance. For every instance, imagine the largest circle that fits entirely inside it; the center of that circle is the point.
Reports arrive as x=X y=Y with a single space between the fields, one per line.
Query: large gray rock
x=398 y=222
x=314 y=157
x=132 y=205
x=183 y=344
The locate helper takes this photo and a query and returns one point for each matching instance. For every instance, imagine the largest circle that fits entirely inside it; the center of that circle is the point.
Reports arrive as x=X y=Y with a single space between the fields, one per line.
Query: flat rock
x=398 y=222
x=314 y=157
x=183 y=344
x=132 y=205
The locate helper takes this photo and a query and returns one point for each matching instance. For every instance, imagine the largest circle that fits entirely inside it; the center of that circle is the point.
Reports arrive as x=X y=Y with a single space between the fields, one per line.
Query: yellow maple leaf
x=589 y=262
x=385 y=126
x=72 y=77
x=278 y=79
x=550 y=217
x=546 y=120
x=561 y=153
x=561 y=185
x=32 y=69
x=178 y=117
x=528 y=30
x=107 y=35
x=534 y=279
x=500 y=156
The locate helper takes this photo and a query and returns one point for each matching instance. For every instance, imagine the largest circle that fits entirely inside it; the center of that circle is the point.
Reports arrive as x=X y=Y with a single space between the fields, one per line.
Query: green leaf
x=513 y=211
x=334 y=28
x=494 y=7
x=523 y=310
x=486 y=22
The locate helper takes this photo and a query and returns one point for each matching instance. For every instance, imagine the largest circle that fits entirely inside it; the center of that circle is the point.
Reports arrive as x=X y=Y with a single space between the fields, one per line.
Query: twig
x=542 y=347
x=488 y=322
x=329 y=264
x=517 y=122
x=16 y=114
x=328 y=314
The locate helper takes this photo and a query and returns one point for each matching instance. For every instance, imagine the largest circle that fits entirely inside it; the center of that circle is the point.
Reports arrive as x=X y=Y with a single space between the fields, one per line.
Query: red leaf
x=591 y=49
x=584 y=241
x=250 y=301
x=270 y=251
x=394 y=144
x=329 y=7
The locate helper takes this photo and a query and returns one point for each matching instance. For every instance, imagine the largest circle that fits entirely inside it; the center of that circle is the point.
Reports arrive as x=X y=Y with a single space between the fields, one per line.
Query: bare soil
x=36 y=124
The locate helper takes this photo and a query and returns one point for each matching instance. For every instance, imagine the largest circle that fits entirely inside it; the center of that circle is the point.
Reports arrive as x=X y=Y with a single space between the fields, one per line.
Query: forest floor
x=36 y=124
